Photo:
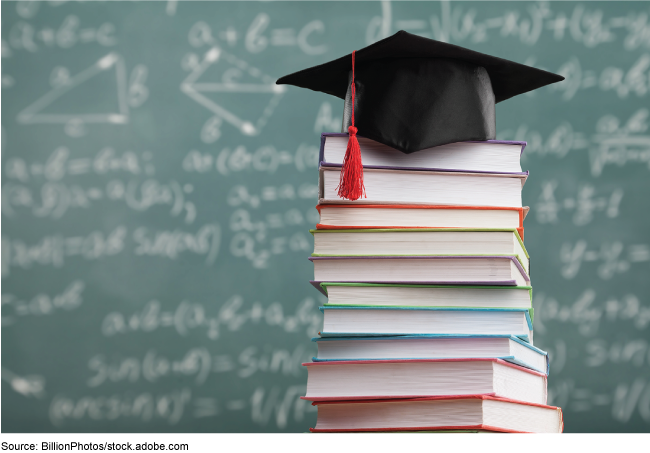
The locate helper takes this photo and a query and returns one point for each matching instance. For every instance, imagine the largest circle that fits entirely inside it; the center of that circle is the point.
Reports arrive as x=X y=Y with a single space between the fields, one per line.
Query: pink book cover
x=402 y=397
x=439 y=428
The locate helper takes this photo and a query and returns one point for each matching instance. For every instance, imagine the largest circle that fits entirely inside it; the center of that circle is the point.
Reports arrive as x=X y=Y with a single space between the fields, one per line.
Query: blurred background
x=158 y=189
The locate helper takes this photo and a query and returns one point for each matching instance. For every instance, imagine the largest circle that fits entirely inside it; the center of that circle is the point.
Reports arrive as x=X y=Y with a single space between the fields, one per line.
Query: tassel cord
x=351 y=185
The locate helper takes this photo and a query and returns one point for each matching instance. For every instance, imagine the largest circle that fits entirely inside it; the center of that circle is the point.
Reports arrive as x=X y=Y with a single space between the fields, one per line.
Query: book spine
x=321 y=152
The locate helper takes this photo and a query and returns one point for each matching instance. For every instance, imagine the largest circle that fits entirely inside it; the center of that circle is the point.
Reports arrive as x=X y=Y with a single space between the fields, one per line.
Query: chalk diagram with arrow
x=75 y=101
x=239 y=93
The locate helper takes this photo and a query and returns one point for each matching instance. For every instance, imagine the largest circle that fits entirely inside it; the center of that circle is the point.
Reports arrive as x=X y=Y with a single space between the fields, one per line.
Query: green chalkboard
x=158 y=189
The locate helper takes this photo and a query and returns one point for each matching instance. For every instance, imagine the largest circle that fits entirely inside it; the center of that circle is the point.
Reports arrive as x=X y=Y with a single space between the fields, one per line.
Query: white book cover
x=428 y=187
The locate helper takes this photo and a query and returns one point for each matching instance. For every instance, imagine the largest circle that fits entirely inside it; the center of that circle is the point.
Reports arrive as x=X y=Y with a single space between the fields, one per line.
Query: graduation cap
x=412 y=93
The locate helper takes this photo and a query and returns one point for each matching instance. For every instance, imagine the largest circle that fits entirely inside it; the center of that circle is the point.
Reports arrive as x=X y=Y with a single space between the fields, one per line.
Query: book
x=427 y=270
x=384 y=379
x=370 y=321
x=349 y=216
x=481 y=156
x=504 y=347
x=396 y=295
x=434 y=413
x=421 y=241
x=428 y=188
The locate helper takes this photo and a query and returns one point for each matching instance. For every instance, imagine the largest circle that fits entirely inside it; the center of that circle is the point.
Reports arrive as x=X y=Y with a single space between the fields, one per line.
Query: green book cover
x=324 y=285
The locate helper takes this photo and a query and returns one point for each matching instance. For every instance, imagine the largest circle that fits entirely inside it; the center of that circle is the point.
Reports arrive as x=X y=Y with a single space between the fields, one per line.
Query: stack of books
x=429 y=319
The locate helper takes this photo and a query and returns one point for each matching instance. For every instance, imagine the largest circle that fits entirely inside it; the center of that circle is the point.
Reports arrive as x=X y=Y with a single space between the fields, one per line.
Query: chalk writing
x=265 y=159
x=584 y=205
x=197 y=363
x=257 y=40
x=588 y=314
x=288 y=363
x=56 y=199
x=241 y=220
x=243 y=245
x=622 y=81
x=614 y=143
x=171 y=244
x=173 y=406
x=624 y=400
x=615 y=258
x=144 y=407
x=25 y=36
x=559 y=142
x=60 y=165
x=634 y=352
x=618 y=144
x=41 y=305
x=266 y=404
x=251 y=240
x=455 y=23
x=189 y=316
x=240 y=195
x=54 y=249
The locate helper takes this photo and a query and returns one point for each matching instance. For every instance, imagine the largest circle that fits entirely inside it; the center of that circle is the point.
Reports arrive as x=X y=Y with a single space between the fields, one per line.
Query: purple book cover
x=321 y=156
x=316 y=284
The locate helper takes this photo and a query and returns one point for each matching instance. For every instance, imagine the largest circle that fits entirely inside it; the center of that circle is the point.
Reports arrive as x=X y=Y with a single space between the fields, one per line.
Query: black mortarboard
x=414 y=93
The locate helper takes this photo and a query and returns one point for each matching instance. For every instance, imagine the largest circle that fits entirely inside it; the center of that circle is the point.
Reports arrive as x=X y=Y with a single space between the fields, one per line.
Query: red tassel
x=351 y=182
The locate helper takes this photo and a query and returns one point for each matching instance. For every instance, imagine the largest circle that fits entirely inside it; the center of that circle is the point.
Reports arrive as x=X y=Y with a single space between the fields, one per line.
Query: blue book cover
x=524 y=311
x=509 y=358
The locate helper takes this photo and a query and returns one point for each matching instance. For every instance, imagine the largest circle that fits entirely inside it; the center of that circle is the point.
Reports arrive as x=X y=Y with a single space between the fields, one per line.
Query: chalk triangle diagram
x=99 y=88
x=233 y=90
